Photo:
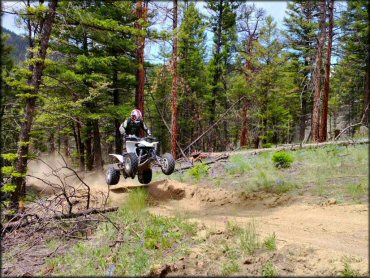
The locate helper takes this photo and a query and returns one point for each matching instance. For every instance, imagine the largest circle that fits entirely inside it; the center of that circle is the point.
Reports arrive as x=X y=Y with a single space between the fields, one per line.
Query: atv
x=140 y=155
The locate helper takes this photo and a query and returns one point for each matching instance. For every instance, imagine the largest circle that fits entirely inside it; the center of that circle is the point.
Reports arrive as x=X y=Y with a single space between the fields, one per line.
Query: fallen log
x=218 y=158
x=21 y=223
x=293 y=147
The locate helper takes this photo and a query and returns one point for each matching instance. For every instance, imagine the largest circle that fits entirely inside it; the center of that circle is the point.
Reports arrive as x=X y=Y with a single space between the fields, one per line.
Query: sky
x=274 y=8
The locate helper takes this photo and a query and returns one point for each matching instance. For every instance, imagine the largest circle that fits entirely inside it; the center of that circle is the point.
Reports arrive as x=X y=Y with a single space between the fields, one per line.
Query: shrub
x=282 y=159
x=267 y=145
x=199 y=171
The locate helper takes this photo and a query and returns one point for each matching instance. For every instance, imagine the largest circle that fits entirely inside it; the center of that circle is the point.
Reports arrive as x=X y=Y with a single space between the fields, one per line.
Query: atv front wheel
x=112 y=176
x=145 y=176
x=131 y=164
x=168 y=164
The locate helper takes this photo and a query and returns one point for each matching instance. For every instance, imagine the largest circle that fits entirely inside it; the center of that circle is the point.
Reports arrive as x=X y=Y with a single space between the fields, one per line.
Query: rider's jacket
x=130 y=127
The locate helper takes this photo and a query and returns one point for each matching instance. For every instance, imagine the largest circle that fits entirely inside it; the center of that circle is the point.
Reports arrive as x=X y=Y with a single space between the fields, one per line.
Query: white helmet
x=136 y=115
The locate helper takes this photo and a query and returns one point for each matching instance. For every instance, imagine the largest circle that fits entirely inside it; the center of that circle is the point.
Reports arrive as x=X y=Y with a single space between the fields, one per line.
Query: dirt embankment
x=312 y=238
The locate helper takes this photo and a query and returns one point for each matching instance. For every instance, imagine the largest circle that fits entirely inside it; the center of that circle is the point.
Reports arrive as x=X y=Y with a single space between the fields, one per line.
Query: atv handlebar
x=151 y=138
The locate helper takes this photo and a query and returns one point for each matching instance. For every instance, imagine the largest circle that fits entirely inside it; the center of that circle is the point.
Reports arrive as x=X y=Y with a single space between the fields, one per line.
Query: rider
x=134 y=124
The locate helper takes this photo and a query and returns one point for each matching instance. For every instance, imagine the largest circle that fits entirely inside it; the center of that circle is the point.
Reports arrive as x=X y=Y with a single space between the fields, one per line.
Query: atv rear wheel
x=145 y=176
x=112 y=176
x=168 y=164
x=131 y=164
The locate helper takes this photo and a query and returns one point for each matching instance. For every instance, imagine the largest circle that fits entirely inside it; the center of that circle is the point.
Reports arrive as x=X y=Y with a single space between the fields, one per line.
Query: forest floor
x=239 y=217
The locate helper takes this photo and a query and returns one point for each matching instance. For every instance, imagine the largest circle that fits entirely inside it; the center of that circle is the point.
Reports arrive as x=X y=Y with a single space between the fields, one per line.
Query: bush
x=282 y=159
x=199 y=171
x=267 y=145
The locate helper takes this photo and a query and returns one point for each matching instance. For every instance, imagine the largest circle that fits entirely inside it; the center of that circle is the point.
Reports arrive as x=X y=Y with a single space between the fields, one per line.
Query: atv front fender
x=119 y=157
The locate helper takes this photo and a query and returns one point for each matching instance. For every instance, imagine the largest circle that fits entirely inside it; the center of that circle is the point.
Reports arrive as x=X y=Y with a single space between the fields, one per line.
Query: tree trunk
x=51 y=143
x=304 y=110
x=244 y=132
x=367 y=77
x=141 y=11
x=317 y=80
x=24 y=135
x=88 y=146
x=216 y=78
x=66 y=146
x=174 y=124
x=118 y=136
x=324 y=114
x=248 y=70
x=98 y=160
x=80 y=147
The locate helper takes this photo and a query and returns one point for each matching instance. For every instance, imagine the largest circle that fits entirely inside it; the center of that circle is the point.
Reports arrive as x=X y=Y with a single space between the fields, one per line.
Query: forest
x=227 y=78
x=262 y=122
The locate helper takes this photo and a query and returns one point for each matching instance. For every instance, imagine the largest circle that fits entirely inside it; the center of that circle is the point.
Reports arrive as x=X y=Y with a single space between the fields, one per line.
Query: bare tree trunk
x=324 y=114
x=66 y=146
x=244 y=132
x=98 y=160
x=174 y=124
x=317 y=80
x=88 y=146
x=24 y=135
x=141 y=11
x=80 y=147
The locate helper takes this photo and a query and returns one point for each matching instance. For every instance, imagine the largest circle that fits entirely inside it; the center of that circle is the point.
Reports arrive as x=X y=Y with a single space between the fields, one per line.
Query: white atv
x=141 y=154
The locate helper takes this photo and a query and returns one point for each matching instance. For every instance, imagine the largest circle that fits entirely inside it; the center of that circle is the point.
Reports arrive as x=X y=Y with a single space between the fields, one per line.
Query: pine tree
x=318 y=74
x=192 y=74
x=249 y=24
x=174 y=90
x=46 y=24
x=301 y=26
x=324 y=114
x=223 y=24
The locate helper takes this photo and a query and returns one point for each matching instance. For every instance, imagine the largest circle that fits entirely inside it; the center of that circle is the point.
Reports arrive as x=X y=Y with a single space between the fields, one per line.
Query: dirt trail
x=320 y=235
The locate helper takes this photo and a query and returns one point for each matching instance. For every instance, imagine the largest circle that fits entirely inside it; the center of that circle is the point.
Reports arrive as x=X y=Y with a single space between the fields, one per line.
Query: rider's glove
x=149 y=133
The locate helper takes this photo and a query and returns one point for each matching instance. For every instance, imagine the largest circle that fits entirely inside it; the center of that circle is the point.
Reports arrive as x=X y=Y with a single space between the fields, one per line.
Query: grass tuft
x=268 y=270
x=348 y=271
x=270 y=242
x=249 y=241
x=229 y=267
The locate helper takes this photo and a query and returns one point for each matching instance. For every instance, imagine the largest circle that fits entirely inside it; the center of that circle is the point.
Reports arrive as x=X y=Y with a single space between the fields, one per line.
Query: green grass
x=147 y=240
x=327 y=172
x=248 y=239
x=137 y=200
x=270 y=242
x=356 y=191
x=348 y=271
x=199 y=171
x=230 y=267
x=268 y=270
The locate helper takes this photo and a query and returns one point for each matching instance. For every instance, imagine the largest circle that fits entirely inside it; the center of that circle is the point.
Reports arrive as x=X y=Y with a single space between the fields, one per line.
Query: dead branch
x=213 y=125
x=169 y=130
x=218 y=158
x=353 y=125
x=19 y=224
